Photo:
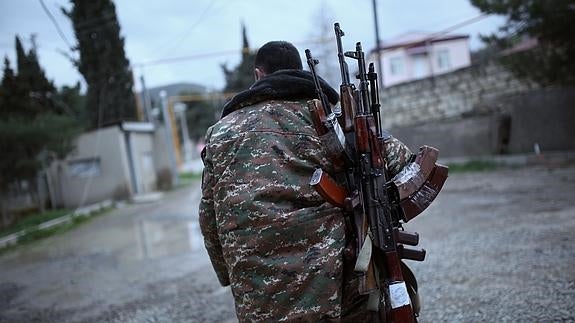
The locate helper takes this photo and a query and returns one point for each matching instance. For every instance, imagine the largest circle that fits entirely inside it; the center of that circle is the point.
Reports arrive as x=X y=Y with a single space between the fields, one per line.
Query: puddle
x=167 y=237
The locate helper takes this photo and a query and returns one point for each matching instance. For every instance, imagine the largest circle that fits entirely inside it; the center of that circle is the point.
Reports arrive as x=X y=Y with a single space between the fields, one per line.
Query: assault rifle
x=371 y=175
x=375 y=205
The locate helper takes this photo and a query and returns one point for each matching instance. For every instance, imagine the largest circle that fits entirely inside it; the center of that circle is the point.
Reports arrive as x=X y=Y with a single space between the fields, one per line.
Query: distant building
x=418 y=55
x=115 y=162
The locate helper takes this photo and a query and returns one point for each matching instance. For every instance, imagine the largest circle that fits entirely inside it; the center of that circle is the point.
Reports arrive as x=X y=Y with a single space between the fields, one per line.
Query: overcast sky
x=156 y=30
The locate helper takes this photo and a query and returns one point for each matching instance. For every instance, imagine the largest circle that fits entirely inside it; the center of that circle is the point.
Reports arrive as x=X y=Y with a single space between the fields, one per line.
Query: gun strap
x=364 y=256
x=373 y=301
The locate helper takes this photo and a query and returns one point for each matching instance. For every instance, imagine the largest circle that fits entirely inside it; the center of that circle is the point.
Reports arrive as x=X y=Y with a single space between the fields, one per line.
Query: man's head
x=274 y=56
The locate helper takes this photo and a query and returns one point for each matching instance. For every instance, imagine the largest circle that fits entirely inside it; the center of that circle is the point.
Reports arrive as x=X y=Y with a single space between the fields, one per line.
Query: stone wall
x=466 y=91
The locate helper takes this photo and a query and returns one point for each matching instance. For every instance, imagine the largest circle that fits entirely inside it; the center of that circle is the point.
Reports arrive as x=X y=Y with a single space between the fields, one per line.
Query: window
x=421 y=68
x=396 y=65
x=443 y=59
x=83 y=168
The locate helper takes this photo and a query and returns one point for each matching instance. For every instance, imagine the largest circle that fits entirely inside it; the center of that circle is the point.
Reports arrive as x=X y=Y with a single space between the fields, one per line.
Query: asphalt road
x=500 y=248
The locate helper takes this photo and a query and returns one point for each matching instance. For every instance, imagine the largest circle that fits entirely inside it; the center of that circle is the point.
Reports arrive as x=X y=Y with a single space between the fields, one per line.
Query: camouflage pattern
x=397 y=155
x=268 y=233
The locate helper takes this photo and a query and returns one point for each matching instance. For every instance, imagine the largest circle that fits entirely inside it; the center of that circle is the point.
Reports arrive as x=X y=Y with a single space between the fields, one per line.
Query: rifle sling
x=364 y=256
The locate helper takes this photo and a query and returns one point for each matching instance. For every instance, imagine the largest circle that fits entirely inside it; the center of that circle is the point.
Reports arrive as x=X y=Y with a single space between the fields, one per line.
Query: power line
x=192 y=27
x=55 y=24
x=459 y=25
x=436 y=35
x=185 y=58
x=172 y=60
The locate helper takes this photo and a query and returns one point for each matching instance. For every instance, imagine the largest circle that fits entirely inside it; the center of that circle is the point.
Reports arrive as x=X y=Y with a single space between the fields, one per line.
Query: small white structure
x=115 y=162
x=418 y=55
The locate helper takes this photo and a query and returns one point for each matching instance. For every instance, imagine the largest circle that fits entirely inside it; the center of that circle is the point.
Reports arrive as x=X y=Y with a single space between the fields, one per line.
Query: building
x=115 y=162
x=418 y=55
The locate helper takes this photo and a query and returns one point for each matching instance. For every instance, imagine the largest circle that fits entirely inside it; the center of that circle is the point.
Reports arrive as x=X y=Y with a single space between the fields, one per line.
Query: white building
x=418 y=55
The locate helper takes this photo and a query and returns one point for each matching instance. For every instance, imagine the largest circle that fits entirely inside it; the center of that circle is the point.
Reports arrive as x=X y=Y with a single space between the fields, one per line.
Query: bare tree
x=324 y=47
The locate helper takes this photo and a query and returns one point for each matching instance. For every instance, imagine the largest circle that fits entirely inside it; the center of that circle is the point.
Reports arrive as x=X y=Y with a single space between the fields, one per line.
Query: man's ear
x=258 y=73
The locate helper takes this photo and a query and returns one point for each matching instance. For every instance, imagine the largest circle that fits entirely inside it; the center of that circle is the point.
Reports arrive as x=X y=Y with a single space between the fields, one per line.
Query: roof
x=418 y=38
x=524 y=45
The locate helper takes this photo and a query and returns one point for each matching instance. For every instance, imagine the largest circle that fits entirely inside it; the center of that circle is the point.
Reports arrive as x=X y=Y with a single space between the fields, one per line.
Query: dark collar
x=283 y=84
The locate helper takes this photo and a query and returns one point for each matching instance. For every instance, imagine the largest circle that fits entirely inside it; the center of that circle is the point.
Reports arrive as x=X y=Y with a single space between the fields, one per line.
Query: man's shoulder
x=268 y=115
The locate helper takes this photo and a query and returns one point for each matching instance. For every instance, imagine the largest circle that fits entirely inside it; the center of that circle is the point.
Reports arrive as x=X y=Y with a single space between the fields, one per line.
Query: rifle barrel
x=342 y=64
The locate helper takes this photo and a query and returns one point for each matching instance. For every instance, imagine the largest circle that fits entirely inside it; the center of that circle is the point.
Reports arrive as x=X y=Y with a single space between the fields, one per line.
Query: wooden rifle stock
x=347 y=102
x=318 y=116
x=332 y=192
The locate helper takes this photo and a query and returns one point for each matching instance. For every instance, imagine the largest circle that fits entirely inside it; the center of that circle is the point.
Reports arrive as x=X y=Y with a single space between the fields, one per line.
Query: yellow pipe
x=187 y=98
x=175 y=136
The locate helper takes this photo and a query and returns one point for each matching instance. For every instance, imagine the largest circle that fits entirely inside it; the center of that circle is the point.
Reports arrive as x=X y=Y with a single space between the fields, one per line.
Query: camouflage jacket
x=268 y=233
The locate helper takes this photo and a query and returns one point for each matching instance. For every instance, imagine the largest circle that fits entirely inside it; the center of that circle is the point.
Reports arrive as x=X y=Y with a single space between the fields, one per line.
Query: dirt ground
x=500 y=248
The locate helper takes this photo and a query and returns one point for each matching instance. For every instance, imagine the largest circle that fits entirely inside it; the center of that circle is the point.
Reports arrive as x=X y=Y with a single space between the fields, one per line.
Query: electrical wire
x=171 y=60
x=449 y=29
x=191 y=28
x=55 y=23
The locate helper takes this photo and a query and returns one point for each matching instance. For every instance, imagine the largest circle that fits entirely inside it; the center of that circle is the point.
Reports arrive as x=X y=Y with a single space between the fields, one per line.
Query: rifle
x=391 y=292
x=325 y=121
x=374 y=204
x=346 y=89
x=332 y=136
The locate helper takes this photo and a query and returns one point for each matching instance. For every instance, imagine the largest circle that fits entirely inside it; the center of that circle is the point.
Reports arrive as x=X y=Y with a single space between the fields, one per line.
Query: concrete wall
x=511 y=124
x=465 y=137
x=545 y=116
x=113 y=181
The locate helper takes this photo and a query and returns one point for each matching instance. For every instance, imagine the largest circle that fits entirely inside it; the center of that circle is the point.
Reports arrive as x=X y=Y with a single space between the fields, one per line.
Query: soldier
x=269 y=234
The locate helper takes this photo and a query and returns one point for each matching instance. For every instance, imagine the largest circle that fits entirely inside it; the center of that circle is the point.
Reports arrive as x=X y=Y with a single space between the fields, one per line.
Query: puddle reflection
x=168 y=237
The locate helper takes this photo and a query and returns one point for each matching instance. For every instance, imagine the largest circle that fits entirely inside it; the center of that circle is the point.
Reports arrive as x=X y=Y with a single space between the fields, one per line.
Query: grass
x=189 y=177
x=33 y=220
x=474 y=166
x=33 y=233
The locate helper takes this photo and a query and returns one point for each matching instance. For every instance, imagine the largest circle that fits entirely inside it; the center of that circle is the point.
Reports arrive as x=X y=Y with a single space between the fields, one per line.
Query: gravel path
x=500 y=248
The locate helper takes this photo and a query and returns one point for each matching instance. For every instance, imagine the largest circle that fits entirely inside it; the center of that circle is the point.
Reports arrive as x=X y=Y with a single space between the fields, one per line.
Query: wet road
x=141 y=263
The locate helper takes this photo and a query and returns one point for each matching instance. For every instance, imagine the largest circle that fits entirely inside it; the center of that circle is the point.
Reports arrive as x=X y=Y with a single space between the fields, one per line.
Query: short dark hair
x=277 y=55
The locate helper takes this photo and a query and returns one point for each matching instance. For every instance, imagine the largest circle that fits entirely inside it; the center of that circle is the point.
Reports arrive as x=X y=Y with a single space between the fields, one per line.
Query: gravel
x=500 y=248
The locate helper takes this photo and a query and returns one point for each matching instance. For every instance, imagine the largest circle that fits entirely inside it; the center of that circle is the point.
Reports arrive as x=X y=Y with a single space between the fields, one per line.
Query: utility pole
x=169 y=138
x=147 y=102
x=378 y=51
x=180 y=109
